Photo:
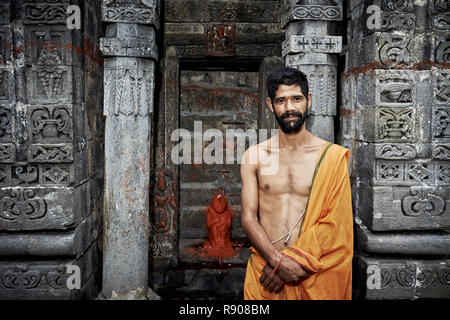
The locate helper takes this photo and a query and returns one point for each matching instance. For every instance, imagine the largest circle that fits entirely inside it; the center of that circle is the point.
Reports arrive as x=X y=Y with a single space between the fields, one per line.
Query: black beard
x=292 y=126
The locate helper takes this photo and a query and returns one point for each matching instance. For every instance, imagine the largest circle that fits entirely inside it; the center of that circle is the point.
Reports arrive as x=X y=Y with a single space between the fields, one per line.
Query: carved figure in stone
x=218 y=221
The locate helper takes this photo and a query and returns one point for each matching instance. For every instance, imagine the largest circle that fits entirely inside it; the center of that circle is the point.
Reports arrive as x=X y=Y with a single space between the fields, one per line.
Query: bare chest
x=294 y=175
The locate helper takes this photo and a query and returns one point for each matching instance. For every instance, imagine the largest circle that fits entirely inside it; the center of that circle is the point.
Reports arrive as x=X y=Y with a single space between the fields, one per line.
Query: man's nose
x=290 y=105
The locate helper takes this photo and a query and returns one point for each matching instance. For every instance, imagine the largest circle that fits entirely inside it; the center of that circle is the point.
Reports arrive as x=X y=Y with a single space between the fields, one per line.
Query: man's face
x=290 y=107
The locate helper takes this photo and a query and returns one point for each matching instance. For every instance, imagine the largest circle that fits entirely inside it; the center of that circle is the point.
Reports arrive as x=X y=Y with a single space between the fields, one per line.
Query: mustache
x=290 y=114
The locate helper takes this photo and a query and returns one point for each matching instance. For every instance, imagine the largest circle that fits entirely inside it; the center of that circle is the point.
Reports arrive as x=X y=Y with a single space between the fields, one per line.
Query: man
x=299 y=219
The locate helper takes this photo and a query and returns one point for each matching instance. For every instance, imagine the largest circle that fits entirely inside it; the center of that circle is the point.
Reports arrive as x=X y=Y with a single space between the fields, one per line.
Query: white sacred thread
x=289 y=233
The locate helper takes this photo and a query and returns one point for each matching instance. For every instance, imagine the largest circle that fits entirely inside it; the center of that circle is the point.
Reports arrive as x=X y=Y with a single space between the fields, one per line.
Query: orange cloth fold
x=325 y=245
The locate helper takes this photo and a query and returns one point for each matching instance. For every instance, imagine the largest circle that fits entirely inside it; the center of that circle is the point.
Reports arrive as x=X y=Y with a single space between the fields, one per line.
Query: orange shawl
x=325 y=245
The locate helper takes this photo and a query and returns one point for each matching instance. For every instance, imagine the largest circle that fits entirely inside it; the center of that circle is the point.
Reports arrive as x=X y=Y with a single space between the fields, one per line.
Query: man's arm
x=250 y=222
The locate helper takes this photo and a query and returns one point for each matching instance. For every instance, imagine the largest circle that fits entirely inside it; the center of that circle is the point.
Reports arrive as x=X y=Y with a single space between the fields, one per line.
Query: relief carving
x=442 y=88
x=423 y=201
x=441 y=120
x=394 y=89
x=51 y=123
x=396 y=124
x=442 y=49
x=394 y=49
x=22 y=205
x=395 y=151
x=50 y=153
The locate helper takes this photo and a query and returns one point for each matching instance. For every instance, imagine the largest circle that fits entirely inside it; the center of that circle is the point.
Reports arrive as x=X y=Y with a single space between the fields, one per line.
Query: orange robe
x=324 y=247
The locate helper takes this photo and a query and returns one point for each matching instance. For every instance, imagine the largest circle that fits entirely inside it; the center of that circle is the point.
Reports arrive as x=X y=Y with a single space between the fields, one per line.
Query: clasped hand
x=288 y=272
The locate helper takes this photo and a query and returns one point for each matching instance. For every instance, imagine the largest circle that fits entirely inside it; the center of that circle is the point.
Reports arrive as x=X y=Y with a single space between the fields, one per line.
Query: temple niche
x=88 y=183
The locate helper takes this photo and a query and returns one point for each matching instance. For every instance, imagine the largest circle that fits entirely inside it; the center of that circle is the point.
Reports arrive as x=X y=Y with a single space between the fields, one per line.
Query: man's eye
x=278 y=101
x=298 y=98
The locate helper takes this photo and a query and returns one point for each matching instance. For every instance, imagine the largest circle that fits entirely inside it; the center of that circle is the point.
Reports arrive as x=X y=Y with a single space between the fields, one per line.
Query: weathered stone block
x=7 y=87
x=49 y=279
x=72 y=243
x=405 y=243
x=41 y=208
x=384 y=208
x=380 y=278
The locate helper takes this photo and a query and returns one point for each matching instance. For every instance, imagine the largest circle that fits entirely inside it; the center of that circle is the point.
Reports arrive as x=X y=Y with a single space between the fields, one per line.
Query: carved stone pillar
x=130 y=52
x=311 y=47
x=394 y=117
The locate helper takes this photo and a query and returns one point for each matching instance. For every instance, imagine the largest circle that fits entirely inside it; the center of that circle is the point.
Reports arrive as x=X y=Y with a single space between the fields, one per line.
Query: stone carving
x=442 y=5
x=130 y=15
x=129 y=47
x=24 y=174
x=411 y=276
x=442 y=88
x=443 y=173
x=441 y=22
x=220 y=40
x=394 y=88
x=302 y=43
x=50 y=153
x=390 y=171
x=5 y=121
x=49 y=72
x=394 y=49
x=31 y=276
x=397 y=5
x=442 y=49
x=396 y=124
x=51 y=123
x=397 y=21
x=54 y=13
x=55 y=174
x=419 y=172
x=22 y=205
x=7 y=152
x=395 y=151
x=423 y=200
x=441 y=152
x=296 y=10
x=441 y=120
x=163 y=217
x=128 y=85
x=20 y=278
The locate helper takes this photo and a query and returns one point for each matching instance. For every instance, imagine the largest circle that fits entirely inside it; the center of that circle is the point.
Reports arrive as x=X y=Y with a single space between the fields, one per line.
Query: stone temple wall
x=51 y=142
x=394 y=117
x=381 y=89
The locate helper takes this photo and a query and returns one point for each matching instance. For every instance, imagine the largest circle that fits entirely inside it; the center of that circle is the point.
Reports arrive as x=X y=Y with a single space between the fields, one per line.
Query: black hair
x=287 y=76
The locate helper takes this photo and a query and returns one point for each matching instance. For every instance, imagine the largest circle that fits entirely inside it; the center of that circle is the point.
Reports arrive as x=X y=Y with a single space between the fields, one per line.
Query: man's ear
x=309 y=100
x=269 y=104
